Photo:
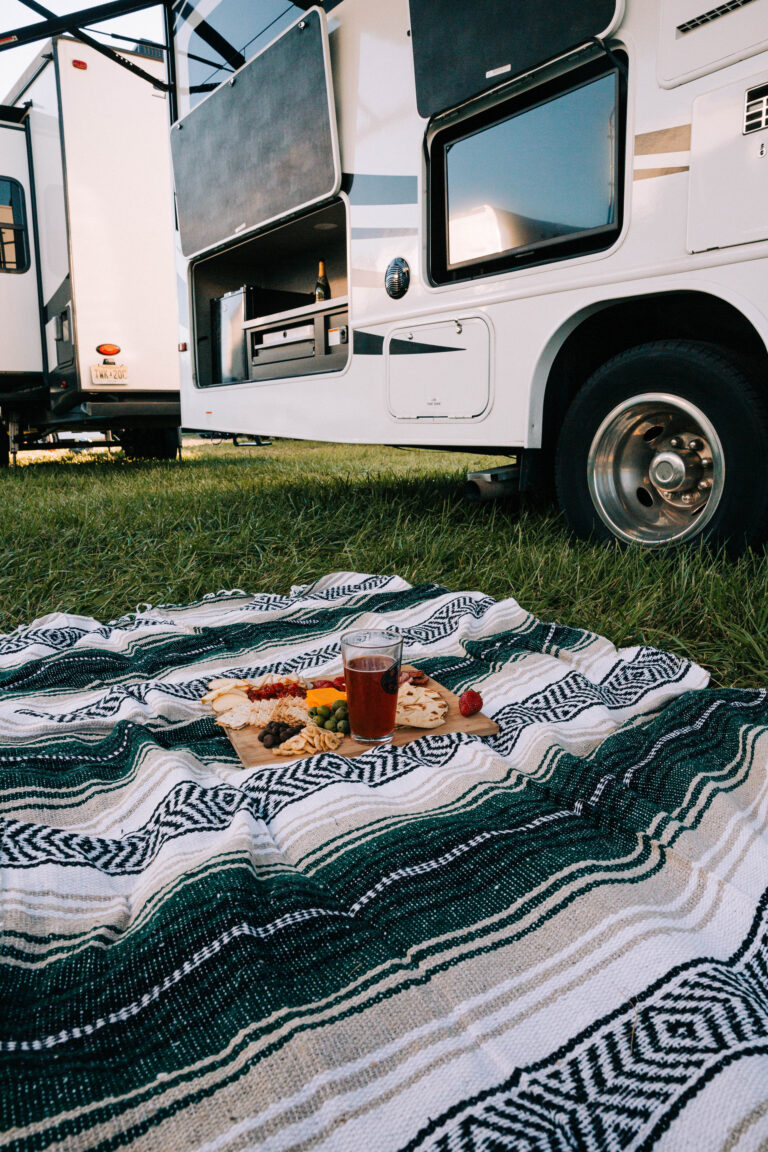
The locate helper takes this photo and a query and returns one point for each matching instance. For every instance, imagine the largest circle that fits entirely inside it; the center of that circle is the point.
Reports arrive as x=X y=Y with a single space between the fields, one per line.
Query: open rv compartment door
x=462 y=48
x=263 y=145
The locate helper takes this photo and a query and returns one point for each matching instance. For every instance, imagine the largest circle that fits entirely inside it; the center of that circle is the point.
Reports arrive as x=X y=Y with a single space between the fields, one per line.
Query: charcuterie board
x=253 y=754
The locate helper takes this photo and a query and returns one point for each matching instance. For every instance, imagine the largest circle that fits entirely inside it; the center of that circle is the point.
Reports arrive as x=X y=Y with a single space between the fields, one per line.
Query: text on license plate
x=109 y=373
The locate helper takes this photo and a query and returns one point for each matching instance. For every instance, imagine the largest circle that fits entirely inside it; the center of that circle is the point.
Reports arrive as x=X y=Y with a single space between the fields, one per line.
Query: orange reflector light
x=107 y=349
x=81 y=64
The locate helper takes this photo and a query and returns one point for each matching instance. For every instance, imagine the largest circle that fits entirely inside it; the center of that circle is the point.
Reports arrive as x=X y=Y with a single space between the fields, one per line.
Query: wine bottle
x=322 y=287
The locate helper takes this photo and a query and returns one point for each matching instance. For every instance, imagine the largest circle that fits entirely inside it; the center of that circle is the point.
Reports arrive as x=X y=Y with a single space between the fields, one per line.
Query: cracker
x=239 y=717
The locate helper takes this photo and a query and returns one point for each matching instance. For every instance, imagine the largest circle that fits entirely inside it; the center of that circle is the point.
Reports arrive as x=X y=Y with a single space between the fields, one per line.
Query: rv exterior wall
x=119 y=194
x=527 y=312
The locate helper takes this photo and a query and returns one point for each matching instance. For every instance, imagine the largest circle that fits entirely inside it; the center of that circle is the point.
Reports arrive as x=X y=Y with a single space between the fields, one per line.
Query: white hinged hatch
x=439 y=371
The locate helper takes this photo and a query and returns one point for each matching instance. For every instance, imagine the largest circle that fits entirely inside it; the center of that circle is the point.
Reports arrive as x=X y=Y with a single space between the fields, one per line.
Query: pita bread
x=419 y=707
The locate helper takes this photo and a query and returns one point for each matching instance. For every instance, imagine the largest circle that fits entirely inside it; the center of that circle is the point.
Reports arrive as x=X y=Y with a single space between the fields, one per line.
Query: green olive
x=342 y=726
x=337 y=704
x=330 y=725
x=324 y=711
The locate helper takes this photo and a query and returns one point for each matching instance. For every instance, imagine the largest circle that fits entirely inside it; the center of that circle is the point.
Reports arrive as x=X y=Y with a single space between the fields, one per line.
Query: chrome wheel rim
x=656 y=470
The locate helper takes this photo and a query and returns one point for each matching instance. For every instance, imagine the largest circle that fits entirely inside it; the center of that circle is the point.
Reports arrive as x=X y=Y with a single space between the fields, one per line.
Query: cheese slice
x=316 y=697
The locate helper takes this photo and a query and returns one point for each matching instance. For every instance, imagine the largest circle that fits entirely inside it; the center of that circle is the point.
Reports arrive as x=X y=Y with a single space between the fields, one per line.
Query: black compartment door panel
x=464 y=47
x=262 y=145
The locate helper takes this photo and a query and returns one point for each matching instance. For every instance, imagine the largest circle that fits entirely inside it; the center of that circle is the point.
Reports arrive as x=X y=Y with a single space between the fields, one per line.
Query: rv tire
x=666 y=444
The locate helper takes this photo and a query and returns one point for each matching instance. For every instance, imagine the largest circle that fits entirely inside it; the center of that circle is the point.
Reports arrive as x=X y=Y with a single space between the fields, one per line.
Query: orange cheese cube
x=316 y=697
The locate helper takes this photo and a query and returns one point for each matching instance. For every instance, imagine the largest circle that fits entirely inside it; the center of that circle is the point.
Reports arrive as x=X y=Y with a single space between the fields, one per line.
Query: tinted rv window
x=520 y=184
x=13 y=230
x=214 y=40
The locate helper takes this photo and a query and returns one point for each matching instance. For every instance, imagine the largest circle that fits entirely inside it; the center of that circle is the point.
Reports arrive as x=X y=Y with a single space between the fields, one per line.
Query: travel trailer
x=544 y=229
x=88 y=289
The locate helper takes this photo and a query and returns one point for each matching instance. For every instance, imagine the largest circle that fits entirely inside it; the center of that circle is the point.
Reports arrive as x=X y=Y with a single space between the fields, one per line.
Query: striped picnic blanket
x=553 y=939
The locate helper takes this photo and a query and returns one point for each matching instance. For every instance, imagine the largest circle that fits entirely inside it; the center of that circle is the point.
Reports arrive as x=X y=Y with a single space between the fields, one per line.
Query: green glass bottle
x=322 y=287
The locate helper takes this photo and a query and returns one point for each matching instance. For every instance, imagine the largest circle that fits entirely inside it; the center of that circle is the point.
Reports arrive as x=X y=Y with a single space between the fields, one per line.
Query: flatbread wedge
x=419 y=707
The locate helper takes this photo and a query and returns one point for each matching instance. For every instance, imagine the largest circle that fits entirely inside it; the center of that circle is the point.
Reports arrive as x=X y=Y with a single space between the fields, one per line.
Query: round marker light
x=107 y=349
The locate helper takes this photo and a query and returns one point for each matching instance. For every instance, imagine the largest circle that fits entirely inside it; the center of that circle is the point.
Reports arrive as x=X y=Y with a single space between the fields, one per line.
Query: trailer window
x=14 y=252
x=524 y=183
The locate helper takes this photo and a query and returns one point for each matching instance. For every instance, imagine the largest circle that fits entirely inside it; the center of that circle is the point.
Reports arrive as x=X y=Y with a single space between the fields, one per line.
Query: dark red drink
x=371 y=695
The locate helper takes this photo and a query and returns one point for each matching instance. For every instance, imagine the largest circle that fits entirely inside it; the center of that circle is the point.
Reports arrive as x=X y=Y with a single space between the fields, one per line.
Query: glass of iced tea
x=371 y=675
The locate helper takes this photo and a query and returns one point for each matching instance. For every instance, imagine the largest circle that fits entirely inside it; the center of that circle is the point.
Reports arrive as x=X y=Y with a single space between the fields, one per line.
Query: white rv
x=88 y=290
x=545 y=228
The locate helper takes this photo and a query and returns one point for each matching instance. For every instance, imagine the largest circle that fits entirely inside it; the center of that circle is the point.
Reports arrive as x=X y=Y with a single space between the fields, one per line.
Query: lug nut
x=686 y=498
x=675 y=442
x=695 y=445
x=704 y=485
x=706 y=462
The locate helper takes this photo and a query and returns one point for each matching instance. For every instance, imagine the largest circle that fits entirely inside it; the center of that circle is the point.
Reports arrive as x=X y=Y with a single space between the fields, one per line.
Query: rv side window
x=527 y=182
x=14 y=256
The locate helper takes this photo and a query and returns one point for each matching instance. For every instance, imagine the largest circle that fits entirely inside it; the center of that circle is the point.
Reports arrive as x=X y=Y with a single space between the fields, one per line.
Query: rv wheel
x=665 y=444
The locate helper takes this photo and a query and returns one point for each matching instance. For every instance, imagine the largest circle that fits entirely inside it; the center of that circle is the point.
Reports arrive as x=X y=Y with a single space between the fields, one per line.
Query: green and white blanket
x=553 y=939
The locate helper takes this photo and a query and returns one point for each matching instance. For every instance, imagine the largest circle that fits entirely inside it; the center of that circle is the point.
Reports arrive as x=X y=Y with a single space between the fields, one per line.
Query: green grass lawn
x=100 y=535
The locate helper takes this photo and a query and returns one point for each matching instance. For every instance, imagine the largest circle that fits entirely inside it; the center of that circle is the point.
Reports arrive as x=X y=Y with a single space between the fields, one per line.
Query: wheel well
x=624 y=324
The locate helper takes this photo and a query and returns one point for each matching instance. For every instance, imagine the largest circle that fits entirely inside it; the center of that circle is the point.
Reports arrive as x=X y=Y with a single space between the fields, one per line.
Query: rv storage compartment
x=254 y=304
x=440 y=371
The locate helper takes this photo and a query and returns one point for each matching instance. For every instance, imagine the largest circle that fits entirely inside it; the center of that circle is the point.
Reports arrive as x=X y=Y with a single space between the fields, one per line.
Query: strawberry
x=470 y=702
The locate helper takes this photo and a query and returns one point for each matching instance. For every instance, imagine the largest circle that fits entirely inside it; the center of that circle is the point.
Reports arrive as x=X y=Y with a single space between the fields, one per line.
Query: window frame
x=21 y=232
x=474 y=120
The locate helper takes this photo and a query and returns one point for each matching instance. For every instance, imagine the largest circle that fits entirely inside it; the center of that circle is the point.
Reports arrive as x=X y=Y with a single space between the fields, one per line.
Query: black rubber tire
x=722 y=387
x=150 y=443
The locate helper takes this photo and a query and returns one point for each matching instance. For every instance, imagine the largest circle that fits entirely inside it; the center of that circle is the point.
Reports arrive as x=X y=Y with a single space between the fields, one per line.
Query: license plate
x=109 y=373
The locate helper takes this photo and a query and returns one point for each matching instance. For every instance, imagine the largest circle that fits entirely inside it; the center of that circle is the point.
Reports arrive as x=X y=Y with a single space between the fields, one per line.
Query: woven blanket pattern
x=551 y=939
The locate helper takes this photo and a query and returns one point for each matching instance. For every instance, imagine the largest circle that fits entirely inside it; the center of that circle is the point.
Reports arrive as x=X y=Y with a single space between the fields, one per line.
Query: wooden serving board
x=253 y=753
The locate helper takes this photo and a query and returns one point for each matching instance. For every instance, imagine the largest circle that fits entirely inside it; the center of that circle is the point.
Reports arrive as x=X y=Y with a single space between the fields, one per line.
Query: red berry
x=470 y=702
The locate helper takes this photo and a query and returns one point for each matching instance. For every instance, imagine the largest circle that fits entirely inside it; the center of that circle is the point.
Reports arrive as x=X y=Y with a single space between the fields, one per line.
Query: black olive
x=269 y=740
